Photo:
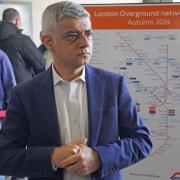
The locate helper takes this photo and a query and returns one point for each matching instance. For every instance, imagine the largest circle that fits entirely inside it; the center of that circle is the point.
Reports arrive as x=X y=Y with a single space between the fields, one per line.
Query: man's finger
x=69 y=161
x=76 y=149
x=81 y=141
x=74 y=167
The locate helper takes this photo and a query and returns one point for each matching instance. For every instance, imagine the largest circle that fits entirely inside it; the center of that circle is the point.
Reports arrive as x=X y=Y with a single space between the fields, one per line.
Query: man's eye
x=71 y=37
x=89 y=33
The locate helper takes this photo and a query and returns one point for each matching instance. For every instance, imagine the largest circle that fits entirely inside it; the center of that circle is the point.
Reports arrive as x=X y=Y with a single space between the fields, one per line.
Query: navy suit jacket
x=31 y=131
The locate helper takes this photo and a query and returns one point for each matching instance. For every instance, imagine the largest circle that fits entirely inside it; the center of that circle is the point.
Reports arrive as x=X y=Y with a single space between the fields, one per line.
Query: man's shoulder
x=23 y=38
x=17 y=40
x=102 y=72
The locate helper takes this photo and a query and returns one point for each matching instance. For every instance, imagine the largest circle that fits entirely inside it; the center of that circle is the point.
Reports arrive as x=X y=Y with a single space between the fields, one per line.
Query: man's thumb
x=81 y=141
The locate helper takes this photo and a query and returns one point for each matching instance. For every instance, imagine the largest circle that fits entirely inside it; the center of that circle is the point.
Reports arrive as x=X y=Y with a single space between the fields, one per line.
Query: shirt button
x=106 y=173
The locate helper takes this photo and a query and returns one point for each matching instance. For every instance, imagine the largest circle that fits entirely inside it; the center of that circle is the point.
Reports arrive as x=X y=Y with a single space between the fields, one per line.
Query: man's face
x=71 y=43
x=18 y=22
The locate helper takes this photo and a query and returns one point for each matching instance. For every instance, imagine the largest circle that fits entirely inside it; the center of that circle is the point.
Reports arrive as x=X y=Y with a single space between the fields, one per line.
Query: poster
x=142 y=42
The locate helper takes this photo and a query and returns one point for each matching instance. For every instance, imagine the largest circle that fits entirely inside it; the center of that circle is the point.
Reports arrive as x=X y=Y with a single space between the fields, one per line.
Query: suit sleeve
x=134 y=142
x=15 y=158
x=32 y=55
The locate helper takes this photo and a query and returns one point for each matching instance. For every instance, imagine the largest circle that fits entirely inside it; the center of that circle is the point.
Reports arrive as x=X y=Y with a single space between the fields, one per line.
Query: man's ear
x=47 y=41
x=17 y=22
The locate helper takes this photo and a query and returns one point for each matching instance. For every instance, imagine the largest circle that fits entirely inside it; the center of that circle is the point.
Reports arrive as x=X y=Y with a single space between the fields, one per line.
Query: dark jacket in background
x=22 y=52
x=42 y=48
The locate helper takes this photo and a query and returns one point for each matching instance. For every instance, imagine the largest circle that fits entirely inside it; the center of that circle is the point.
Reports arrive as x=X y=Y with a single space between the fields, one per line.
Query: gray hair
x=10 y=14
x=58 y=11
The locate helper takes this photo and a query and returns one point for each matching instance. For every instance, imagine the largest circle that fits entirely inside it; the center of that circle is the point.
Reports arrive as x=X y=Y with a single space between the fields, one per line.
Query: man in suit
x=73 y=121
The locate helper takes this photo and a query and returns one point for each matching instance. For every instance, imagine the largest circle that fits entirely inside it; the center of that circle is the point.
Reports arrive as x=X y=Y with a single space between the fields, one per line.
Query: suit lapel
x=47 y=105
x=95 y=93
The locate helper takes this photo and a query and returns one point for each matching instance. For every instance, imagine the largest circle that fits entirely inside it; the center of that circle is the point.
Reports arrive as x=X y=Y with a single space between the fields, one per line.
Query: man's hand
x=63 y=152
x=85 y=162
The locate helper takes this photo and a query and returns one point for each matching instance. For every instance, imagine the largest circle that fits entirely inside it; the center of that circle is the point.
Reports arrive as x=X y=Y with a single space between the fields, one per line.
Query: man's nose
x=84 y=41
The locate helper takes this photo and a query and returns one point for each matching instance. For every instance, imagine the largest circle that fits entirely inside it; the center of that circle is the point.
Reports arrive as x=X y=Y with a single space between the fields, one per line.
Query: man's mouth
x=84 y=54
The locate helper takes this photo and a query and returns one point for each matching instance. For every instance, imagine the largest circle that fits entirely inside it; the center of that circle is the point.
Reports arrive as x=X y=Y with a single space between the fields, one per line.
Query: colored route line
x=176 y=176
x=134 y=50
x=165 y=82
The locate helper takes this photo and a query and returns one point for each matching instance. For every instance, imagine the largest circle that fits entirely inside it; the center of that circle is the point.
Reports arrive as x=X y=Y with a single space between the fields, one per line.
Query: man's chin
x=84 y=60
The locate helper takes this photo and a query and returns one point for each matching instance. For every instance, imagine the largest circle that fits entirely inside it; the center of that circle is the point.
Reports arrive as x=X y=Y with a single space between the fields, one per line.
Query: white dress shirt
x=72 y=110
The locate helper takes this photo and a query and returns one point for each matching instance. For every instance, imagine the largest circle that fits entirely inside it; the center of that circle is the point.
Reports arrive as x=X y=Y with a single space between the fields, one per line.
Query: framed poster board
x=142 y=42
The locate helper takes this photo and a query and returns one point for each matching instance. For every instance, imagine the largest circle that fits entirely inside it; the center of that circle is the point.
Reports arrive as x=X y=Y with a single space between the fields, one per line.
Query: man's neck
x=68 y=74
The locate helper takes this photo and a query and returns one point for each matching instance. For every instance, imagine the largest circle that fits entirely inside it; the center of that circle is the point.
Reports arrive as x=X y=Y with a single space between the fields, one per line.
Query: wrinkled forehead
x=75 y=23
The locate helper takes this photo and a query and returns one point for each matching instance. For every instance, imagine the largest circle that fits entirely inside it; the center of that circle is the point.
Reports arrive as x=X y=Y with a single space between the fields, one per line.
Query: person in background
x=46 y=53
x=7 y=81
x=25 y=57
x=73 y=121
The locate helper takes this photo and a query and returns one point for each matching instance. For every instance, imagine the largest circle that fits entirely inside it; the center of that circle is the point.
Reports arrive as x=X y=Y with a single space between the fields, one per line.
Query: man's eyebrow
x=72 y=31
x=88 y=30
x=77 y=31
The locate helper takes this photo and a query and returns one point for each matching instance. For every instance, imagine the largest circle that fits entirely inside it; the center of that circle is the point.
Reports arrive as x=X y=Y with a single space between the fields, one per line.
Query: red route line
x=173 y=177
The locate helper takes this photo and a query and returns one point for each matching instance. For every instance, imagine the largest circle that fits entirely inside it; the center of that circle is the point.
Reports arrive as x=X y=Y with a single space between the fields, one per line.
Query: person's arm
x=20 y=159
x=134 y=142
x=32 y=55
x=15 y=158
